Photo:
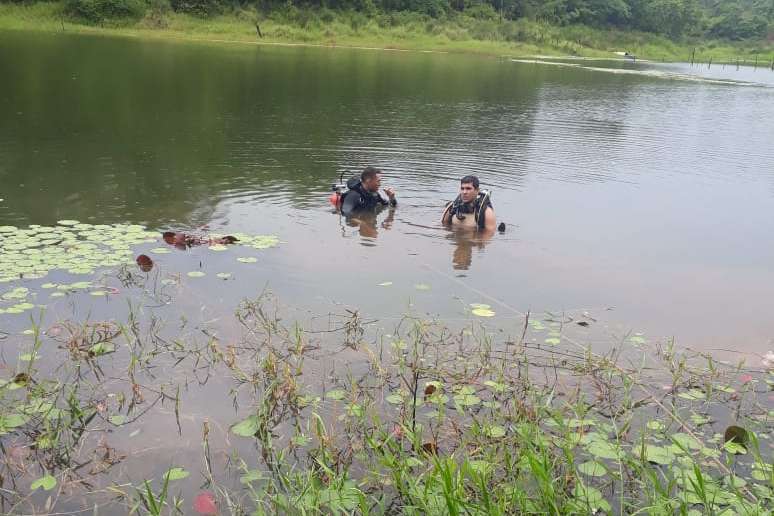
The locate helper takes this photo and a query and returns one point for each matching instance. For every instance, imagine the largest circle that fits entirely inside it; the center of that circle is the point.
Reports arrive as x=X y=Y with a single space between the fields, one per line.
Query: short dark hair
x=369 y=173
x=472 y=180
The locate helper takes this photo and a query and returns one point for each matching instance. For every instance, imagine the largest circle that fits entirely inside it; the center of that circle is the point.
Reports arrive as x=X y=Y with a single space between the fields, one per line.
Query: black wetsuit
x=359 y=199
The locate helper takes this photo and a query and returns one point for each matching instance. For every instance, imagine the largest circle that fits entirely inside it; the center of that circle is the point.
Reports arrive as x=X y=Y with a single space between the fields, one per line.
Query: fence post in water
x=737 y=63
x=756 y=62
x=693 y=55
x=709 y=63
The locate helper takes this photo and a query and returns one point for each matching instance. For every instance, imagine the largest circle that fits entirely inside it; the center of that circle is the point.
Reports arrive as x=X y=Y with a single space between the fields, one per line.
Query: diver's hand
x=390 y=193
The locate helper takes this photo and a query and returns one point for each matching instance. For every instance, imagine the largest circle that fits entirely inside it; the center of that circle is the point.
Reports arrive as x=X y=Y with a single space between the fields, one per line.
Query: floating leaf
x=692 y=394
x=422 y=286
x=658 y=455
x=204 y=504
x=47 y=482
x=102 y=348
x=98 y=293
x=117 y=419
x=223 y=275
x=482 y=312
x=176 y=474
x=592 y=468
x=247 y=259
x=385 y=284
x=67 y=222
x=736 y=434
x=553 y=341
x=160 y=250
x=247 y=427
x=218 y=247
x=144 y=262
x=656 y=425
x=735 y=448
x=196 y=274
x=336 y=394
x=480 y=305
x=602 y=449
x=494 y=431
x=395 y=399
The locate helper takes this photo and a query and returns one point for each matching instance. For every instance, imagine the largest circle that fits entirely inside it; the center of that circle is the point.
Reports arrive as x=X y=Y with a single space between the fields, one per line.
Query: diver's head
x=469 y=188
x=371 y=179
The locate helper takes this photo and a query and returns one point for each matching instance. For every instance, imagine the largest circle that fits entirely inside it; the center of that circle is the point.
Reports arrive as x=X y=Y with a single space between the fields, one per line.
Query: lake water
x=646 y=194
x=639 y=193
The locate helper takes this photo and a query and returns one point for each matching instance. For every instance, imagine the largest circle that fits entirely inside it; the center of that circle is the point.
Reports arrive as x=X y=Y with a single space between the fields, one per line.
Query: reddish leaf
x=145 y=263
x=204 y=503
x=745 y=378
x=429 y=390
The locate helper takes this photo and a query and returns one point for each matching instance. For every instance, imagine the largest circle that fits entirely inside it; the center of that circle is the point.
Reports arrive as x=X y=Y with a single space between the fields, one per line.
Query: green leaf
x=223 y=275
x=553 y=341
x=102 y=348
x=735 y=448
x=176 y=474
x=603 y=450
x=336 y=394
x=658 y=426
x=196 y=274
x=247 y=259
x=47 y=482
x=422 y=286
x=483 y=312
x=658 y=455
x=385 y=284
x=247 y=427
x=592 y=468
x=494 y=431
x=117 y=419
x=693 y=394
x=395 y=399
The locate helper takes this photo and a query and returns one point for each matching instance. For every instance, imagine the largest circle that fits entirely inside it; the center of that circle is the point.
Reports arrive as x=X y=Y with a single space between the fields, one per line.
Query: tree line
x=725 y=19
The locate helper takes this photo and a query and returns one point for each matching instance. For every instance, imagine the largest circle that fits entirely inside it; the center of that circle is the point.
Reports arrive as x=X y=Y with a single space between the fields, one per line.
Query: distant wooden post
x=709 y=63
x=737 y=63
x=693 y=56
x=258 y=30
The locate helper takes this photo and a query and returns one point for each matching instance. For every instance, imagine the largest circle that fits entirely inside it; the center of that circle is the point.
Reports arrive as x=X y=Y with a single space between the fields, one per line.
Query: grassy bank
x=409 y=31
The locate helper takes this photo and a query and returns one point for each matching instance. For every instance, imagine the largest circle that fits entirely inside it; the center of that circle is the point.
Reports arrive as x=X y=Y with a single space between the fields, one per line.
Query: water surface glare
x=629 y=191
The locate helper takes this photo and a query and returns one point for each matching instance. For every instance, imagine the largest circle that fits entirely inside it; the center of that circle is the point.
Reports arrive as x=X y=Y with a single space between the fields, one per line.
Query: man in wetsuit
x=363 y=195
x=472 y=208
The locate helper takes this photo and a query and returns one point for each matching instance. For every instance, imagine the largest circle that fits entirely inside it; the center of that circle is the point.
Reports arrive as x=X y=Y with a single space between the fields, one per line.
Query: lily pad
x=483 y=312
x=223 y=275
x=47 y=482
x=176 y=474
x=196 y=274
x=247 y=259
x=422 y=286
x=247 y=427
x=592 y=468
x=385 y=284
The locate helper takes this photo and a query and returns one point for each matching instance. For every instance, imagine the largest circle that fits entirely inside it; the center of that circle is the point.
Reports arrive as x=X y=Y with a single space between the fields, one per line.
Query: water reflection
x=368 y=225
x=465 y=241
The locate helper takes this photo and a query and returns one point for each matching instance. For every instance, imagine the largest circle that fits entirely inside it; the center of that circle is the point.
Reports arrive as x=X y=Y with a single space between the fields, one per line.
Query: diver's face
x=468 y=192
x=373 y=184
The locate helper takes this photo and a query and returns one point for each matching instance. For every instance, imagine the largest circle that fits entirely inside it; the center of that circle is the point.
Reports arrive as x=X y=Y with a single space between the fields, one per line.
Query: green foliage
x=95 y=11
x=198 y=7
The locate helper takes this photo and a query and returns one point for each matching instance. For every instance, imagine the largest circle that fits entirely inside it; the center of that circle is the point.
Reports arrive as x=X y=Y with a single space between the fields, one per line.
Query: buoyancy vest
x=477 y=208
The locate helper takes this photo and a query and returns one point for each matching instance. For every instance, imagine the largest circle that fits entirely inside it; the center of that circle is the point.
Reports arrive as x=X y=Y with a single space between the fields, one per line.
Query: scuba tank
x=340 y=189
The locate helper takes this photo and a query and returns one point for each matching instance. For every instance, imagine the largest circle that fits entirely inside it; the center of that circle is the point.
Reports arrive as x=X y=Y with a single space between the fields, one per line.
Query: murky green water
x=648 y=195
x=641 y=194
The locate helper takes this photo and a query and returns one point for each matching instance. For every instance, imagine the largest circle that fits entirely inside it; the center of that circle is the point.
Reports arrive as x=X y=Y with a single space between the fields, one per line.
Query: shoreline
x=447 y=37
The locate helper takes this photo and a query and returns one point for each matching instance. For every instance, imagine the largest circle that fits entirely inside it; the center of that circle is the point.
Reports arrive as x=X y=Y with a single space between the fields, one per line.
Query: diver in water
x=363 y=193
x=472 y=208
